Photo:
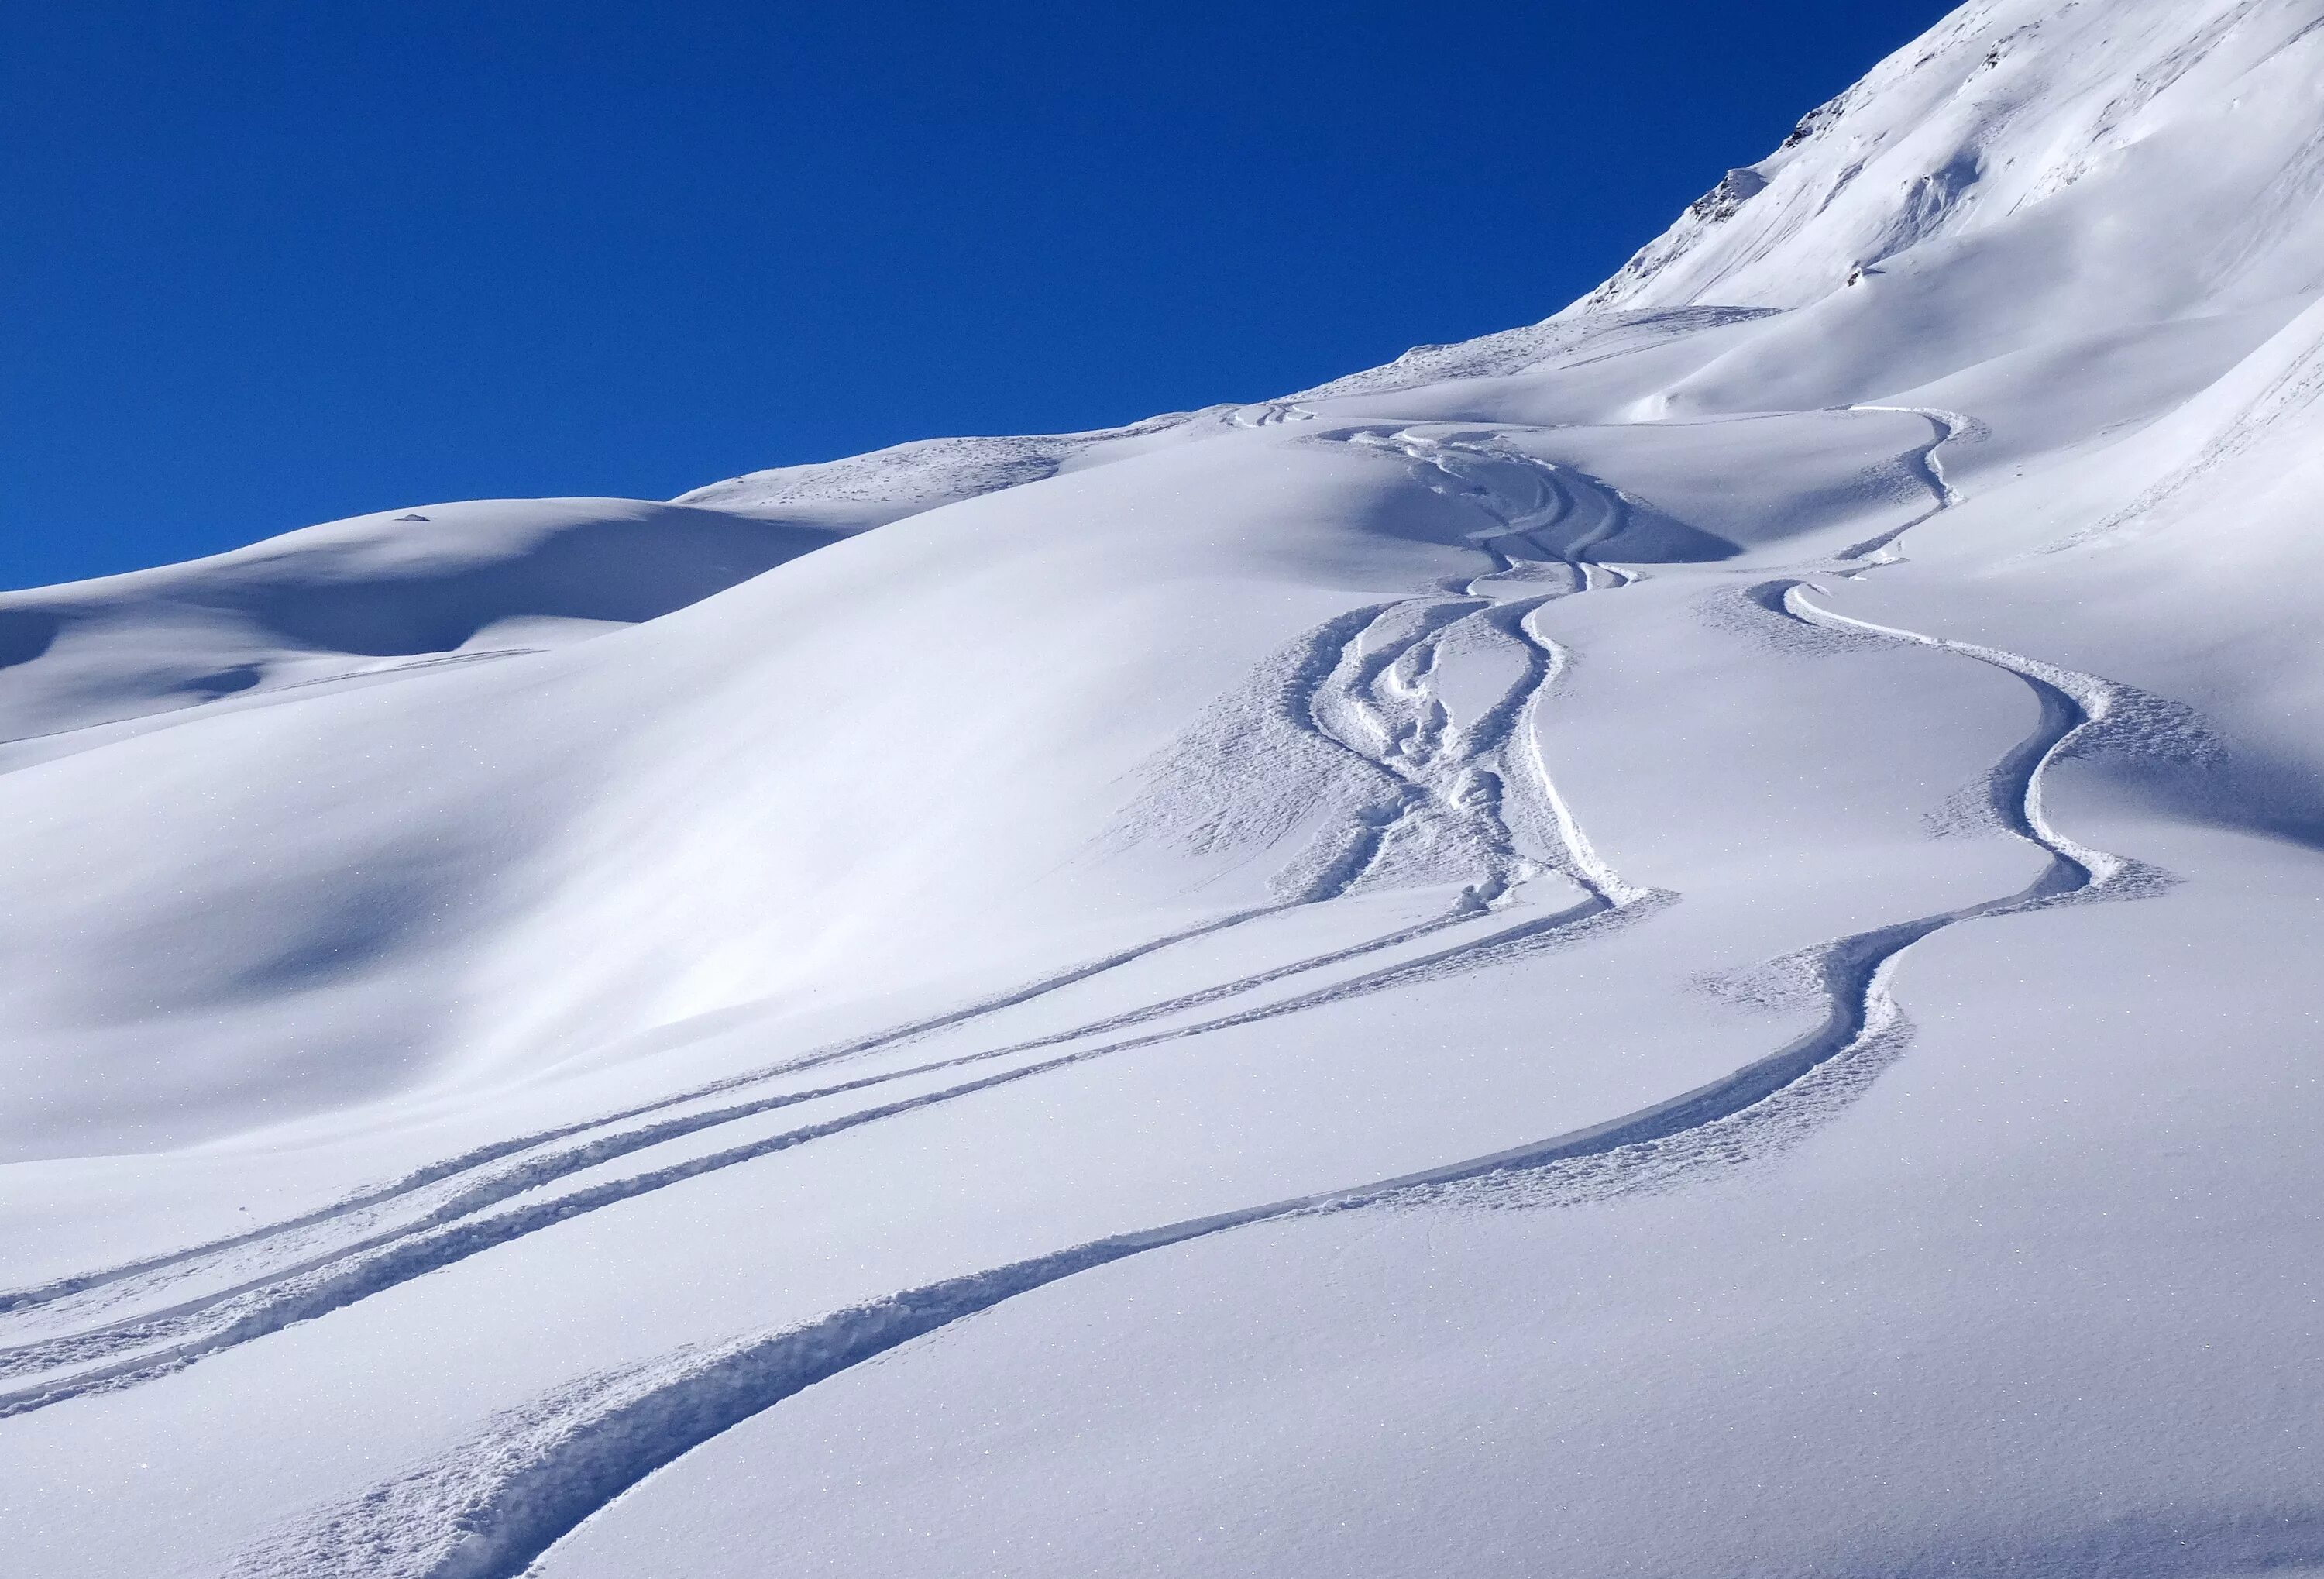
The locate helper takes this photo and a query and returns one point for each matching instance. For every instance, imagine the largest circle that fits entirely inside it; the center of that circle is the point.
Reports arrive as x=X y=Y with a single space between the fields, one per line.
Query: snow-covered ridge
x=887 y=485
x=363 y=597
x=1674 y=942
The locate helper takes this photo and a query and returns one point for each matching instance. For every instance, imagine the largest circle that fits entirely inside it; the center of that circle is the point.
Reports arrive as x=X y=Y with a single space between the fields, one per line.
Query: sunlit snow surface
x=1679 y=943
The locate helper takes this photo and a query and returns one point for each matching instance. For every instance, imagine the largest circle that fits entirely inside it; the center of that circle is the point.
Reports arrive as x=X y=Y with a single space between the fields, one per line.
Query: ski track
x=1346 y=668
x=169 y=1340
x=1329 y=647
x=492 y=1507
x=487 y=1509
x=1929 y=463
x=1269 y=414
x=410 y=1184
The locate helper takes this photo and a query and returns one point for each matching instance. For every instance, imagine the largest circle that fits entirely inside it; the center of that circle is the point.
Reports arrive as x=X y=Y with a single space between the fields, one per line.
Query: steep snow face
x=2027 y=172
x=1676 y=942
x=2179 y=142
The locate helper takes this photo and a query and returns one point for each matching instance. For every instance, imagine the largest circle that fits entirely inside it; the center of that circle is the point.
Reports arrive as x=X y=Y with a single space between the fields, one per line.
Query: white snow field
x=1678 y=943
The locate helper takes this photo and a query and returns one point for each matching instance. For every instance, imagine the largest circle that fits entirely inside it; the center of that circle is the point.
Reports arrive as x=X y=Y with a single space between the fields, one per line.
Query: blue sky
x=267 y=264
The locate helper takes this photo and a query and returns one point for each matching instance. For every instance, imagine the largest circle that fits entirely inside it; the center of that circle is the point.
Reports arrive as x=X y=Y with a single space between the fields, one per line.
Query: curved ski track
x=1365 y=691
x=487 y=1509
x=1949 y=426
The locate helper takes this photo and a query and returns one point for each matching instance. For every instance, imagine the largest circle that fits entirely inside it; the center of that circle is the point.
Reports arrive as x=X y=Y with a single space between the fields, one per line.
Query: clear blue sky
x=266 y=264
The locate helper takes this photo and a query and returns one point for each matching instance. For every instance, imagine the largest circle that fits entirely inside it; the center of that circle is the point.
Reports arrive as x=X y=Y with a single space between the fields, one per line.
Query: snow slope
x=1674 y=942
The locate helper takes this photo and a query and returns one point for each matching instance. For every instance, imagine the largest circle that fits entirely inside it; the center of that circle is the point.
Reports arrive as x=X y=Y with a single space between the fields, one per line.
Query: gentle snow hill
x=364 y=596
x=1674 y=942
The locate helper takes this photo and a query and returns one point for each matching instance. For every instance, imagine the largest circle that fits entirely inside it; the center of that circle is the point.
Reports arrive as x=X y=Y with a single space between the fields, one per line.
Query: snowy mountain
x=1676 y=942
